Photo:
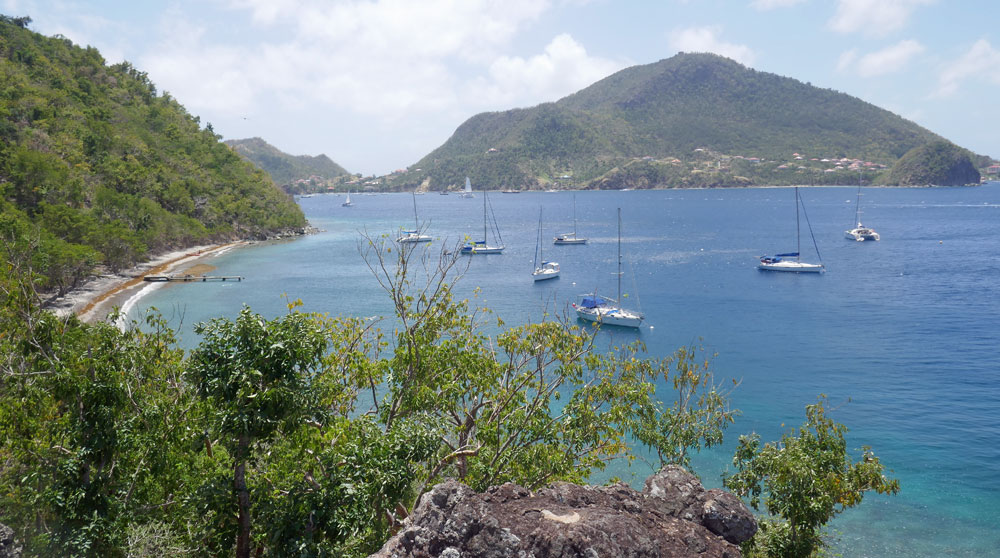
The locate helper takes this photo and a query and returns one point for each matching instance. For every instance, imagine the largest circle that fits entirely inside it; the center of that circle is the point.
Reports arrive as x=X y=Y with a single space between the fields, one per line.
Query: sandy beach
x=94 y=300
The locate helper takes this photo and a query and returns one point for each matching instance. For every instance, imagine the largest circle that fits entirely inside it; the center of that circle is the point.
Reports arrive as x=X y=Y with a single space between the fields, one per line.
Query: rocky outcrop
x=8 y=548
x=674 y=516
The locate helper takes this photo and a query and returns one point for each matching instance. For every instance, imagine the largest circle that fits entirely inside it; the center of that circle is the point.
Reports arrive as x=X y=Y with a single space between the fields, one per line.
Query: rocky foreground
x=673 y=516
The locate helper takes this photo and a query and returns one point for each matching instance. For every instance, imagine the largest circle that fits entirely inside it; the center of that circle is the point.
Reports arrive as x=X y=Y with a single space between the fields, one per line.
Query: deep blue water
x=902 y=334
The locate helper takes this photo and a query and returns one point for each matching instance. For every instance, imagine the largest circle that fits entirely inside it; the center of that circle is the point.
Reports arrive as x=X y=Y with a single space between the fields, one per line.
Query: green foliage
x=805 y=480
x=940 y=163
x=254 y=375
x=695 y=418
x=91 y=418
x=125 y=170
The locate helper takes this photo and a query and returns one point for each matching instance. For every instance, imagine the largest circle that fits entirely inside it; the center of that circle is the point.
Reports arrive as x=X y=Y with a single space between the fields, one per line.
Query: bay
x=900 y=334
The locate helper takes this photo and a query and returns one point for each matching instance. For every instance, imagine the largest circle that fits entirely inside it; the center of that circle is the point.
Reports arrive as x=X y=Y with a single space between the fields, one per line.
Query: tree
x=255 y=376
x=696 y=417
x=531 y=404
x=805 y=480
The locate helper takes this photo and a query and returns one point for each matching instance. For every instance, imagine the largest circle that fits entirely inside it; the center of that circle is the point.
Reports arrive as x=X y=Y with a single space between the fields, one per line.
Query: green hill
x=294 y=173
x=690 y=120
x=97 y=167
x=939 y=163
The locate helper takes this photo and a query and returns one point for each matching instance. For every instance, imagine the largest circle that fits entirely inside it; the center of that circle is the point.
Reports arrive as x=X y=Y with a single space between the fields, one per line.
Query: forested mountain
x=690 y=120
x=96 y=166
x=294 y=173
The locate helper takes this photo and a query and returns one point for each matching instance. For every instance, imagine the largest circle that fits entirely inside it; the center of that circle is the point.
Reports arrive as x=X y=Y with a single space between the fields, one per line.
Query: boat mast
x=619 y=257
x=416 y=221
x=484 y=219
x=574 y=216
x=538 y=241
x=798 y=240
x=857 y=205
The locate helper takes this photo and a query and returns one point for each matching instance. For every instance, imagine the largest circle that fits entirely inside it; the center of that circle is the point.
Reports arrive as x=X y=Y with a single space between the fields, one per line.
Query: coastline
x=94 y=300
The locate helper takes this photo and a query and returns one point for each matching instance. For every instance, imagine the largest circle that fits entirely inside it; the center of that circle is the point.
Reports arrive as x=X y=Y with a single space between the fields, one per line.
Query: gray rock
x=673 y=517
x=8 y=547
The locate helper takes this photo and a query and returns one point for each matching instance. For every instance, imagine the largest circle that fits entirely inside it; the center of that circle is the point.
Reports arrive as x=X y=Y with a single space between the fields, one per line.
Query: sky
x=377 y=84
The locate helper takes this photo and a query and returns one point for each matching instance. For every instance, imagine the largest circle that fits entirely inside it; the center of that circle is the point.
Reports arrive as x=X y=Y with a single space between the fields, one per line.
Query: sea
x=901 y=335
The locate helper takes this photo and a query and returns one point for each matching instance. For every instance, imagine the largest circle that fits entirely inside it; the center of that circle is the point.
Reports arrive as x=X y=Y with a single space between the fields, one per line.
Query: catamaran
x=608 y=311
x=543 y=269
x=860 y=233
x=482 y=246
x=781 y=262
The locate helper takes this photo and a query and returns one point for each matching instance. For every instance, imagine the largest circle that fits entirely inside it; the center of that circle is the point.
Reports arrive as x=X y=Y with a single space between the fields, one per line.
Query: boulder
x=8 y=548
x=674 y=516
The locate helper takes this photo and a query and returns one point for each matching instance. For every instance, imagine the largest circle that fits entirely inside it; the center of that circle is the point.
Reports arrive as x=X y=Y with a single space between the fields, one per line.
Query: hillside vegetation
x=693 y=120
x=294 y=173
x=97 y=167
x=939 y=163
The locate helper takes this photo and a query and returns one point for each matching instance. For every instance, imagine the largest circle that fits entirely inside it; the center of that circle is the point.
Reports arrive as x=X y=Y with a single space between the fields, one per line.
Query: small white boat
x=482 y=246
x=571 y=237
x=467 y=192
x=347 y=202
x=860 y=233
x=608 y=311
x=778 y=262
x=543 y=269
x=413 y=236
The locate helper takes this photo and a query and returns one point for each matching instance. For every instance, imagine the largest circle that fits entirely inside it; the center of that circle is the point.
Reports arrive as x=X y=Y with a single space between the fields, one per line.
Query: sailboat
x=570 y=238
x=467 y=193
x=860 y=233
x=414 y=235
x=347 y=202
x=608 y=311
x=543 y=269
x=482 y=246
x=778 y=262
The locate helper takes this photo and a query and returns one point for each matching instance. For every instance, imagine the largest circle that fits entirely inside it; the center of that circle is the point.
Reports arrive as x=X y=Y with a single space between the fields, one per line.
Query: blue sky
x=378 y=84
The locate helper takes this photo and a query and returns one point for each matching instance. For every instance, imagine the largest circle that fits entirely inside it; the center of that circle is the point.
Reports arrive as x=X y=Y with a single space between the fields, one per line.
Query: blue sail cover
x=789 y=255
x=593 y=301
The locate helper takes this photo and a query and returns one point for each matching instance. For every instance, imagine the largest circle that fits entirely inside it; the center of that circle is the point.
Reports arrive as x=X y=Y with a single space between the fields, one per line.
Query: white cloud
x=765 y=5
x=563 y=68
x=385 y=58
x=390 y=60
x=874 y=17
x=886 y=61
x=980 y=61
x=705 y=39
x=846 y=59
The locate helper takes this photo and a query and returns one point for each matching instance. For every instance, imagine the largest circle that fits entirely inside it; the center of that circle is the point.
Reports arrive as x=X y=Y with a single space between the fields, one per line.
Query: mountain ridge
x=290 y=172
x=640 y=126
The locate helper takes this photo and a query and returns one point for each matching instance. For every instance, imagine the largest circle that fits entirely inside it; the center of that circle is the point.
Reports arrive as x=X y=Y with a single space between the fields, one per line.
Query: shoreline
x=94 y=300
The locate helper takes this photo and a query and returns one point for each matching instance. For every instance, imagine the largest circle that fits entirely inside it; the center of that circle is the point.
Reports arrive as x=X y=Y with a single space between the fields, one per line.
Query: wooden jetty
x=190 y=278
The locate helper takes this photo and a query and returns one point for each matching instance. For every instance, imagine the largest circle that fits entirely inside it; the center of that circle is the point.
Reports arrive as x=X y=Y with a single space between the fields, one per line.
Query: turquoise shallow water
x=906 y=329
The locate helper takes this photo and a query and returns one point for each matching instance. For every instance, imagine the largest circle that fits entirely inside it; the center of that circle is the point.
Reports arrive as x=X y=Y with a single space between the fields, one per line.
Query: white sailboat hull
x=476 y=249
x=568 y=238
x=549 y=270
x=413 y=238
x=609 y=315
x=791 y=266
